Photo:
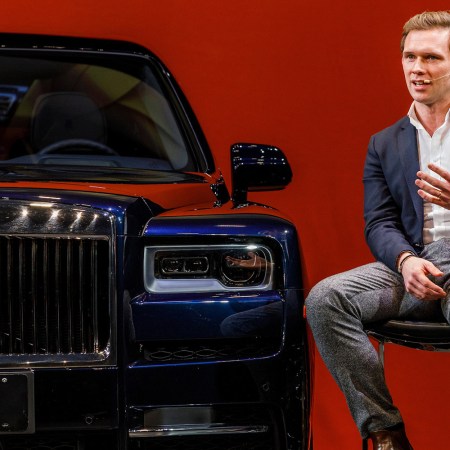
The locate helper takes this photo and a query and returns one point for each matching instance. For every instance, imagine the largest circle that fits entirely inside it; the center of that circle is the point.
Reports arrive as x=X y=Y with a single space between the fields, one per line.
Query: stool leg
x=381 y=351
x=365 y=442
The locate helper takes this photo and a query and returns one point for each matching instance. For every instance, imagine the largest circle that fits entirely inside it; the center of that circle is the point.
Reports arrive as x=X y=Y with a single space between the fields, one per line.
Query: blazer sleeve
x=387 y=203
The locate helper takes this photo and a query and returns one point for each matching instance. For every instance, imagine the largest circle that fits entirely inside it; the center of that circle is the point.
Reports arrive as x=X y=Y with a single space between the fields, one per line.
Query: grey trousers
x=336 y=309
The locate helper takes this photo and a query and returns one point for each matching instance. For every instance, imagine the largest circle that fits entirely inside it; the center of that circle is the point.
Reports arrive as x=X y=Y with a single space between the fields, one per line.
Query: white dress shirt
x=433 y=149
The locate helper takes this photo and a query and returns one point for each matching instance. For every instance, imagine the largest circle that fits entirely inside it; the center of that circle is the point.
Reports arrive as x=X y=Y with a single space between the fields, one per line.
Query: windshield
x=106 y=115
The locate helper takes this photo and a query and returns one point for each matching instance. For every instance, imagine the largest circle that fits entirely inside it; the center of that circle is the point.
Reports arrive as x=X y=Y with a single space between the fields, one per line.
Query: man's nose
x=418 y=67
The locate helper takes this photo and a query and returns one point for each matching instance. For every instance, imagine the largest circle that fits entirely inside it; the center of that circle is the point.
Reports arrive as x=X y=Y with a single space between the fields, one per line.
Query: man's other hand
x=415 y=273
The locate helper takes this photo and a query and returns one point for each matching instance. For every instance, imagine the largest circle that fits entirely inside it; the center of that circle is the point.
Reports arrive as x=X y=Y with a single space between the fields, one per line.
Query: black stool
x=431 y=336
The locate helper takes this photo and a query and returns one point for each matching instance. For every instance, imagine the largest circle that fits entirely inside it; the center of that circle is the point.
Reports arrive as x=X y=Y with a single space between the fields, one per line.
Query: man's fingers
x=438 y=197
x=440 y=171
x=433 y=191
x=433 y=289
x=424 y=289
x=425 y=294
x=418 y=282
x=433 y=270
x=427 y=181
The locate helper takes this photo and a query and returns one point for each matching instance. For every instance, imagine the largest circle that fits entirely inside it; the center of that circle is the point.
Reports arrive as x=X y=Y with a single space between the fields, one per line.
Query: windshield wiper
x=85 y=173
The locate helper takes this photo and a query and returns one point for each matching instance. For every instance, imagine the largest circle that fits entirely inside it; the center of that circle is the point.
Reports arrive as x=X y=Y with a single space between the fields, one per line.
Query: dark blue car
x=143 y=305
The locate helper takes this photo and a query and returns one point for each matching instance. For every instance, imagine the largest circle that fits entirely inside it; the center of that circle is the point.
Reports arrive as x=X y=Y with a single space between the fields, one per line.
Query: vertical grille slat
x=57 y=299
x=34 y=295
x=54 y=297
x=9 y=295
x=20 y=339
x=45 y=277
x=81 y=298
x=69 y=304
x=93 y=292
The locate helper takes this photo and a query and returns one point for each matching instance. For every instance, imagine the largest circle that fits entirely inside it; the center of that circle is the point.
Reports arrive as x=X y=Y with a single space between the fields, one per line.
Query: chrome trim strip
x=195 y=430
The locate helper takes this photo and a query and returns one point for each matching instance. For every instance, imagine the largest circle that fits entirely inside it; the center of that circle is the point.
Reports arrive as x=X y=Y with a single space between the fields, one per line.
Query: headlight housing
x=195 y=268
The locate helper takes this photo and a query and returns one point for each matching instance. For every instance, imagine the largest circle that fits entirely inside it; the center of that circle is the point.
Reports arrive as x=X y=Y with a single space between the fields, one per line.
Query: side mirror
x=257 y=167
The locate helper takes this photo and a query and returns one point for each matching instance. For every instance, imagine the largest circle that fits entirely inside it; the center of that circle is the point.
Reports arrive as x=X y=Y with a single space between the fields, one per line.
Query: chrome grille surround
x=57 y=301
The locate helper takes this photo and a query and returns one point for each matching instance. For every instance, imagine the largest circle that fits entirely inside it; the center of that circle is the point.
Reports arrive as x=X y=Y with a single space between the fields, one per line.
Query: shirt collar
x=415 y=121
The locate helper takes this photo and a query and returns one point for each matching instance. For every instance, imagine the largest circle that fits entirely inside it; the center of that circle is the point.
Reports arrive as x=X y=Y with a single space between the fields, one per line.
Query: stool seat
x=433 y=336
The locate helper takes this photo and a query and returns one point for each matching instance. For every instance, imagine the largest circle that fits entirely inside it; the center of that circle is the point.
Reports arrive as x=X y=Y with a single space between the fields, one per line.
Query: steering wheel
x=71 y=146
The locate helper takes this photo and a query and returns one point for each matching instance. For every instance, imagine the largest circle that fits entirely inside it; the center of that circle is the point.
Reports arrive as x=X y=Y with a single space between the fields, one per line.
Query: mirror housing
x=257 y=167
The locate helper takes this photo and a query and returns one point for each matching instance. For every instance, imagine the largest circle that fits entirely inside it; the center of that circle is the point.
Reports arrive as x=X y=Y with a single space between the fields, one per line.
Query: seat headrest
x=66 y=115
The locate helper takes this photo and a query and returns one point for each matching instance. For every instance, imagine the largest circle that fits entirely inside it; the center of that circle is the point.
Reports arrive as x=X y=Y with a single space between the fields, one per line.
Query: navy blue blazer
x=393 y=211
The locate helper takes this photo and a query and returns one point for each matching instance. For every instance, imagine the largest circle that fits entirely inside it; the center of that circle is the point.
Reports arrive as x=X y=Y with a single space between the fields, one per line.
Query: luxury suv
x=143 y=305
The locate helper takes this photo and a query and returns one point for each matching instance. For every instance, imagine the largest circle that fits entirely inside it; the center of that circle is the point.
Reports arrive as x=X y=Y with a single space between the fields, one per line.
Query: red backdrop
x=315 y=78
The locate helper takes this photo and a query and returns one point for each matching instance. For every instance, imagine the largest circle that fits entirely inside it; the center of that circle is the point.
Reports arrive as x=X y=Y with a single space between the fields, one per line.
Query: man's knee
x=321 y=300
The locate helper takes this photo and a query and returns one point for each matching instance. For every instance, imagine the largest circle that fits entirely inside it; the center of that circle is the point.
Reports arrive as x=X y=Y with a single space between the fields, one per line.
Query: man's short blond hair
x=425 y=21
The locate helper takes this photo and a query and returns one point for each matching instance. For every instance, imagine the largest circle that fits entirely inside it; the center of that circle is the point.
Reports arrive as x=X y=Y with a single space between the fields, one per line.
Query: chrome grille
x=52 y=291
x=55 y=288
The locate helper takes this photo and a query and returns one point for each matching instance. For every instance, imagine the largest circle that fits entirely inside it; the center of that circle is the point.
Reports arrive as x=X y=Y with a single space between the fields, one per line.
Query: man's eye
x=431 y=57
x=410 y=57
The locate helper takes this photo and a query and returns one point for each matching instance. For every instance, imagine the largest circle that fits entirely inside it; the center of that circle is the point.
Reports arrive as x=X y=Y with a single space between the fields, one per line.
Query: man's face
x=426 y=56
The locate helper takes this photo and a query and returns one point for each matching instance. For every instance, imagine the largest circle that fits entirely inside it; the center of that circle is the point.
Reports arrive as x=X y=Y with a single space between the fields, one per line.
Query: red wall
x=316 y=79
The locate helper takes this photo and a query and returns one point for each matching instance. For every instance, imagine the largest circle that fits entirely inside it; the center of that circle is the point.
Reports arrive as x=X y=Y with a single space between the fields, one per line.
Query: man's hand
x=434 y=190
x=415 y=273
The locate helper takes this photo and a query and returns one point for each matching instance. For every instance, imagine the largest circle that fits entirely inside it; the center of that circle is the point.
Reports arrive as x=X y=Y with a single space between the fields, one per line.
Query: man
x=407 y=215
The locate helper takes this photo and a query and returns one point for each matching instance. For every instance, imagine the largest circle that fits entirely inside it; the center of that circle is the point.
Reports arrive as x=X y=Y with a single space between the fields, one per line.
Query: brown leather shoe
x=392 y=439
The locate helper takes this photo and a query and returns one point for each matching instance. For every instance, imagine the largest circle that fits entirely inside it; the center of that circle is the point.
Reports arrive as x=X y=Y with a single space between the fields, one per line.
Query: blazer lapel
x=409 y=157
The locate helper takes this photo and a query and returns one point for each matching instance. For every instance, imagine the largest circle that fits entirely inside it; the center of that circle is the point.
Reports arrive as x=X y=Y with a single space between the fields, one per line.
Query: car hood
x=169 y=191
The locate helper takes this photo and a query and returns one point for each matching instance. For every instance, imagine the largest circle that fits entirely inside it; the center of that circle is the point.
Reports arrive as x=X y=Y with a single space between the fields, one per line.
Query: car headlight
x=208 y=268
